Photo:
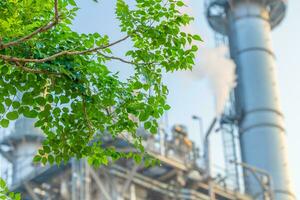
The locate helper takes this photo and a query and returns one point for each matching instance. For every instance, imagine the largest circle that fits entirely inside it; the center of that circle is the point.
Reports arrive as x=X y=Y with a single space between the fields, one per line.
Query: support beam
x=129 y=179
x=30 y=191
x=99 y=183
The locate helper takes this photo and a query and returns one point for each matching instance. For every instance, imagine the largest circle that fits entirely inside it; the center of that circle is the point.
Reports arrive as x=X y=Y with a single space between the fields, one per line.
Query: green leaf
x=179 y=3
x=137 y=158
x=27 y=98
x=147 y=125
x=104 y=160
x=44 y=160
x=17 y=196
x=58 y=159
x=153 y=130
x=30 y=113
x=4 y=123
x=194 y=48
x=46 y=149
x=2 y=183
x=138 y=85
x=167 y=107
x=12 y=115
x=8 y=102
x=51 y=159
x=39 y=123
x=41 y=101
x=64 y=99
x=16 y=104
x=72 y=2
x=2 y=108
x=197 y=37
x=37 y=158
x=144 y=116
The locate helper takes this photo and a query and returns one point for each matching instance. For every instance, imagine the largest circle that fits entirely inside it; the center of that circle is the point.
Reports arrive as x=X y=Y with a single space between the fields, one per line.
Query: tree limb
x=117 y=58
x=36 y=71
x=62 y=53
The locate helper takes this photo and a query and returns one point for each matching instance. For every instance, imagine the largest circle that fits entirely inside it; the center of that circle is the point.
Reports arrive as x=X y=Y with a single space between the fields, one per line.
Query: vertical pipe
x=207 y=157
x=132 y=192
x=87 y=180
x=261 y=126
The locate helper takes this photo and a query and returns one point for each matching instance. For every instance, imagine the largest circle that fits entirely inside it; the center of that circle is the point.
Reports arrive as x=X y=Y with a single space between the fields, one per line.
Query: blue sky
x=188 y=97
x=286 y=44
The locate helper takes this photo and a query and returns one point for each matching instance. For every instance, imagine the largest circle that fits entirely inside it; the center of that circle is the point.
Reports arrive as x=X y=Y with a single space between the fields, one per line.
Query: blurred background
x=197 y=97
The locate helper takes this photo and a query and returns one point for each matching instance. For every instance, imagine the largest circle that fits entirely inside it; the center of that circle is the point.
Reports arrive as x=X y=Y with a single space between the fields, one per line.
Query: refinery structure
x=251 y=126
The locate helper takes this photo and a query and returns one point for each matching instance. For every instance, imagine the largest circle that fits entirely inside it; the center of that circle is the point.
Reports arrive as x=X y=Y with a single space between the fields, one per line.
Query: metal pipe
x=195 y=117
x=267 y=188
x=207 y=158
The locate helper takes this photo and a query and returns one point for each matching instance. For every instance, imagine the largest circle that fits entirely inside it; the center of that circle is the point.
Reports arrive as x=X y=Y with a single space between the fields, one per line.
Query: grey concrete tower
x=248 y=24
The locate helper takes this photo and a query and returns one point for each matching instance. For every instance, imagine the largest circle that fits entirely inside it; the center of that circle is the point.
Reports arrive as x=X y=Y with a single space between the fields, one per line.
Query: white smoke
x=213 y=64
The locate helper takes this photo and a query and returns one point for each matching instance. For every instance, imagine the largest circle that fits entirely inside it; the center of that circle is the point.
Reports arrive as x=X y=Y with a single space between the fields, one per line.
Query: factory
x=251 y=126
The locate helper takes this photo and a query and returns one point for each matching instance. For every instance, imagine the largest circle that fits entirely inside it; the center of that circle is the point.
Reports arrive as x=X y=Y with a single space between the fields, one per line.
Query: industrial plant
x=252 y=129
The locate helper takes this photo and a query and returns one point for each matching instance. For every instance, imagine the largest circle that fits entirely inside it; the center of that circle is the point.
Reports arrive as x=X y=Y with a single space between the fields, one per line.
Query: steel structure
x=248 y=24
x=178 y=177
x=229 y=131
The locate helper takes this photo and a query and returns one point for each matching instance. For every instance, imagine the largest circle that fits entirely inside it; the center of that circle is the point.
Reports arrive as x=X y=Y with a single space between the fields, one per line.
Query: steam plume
x=220 y=71
x=215 y=65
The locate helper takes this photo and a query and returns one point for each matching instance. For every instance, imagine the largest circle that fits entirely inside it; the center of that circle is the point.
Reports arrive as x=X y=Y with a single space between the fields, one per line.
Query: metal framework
x=178 y=176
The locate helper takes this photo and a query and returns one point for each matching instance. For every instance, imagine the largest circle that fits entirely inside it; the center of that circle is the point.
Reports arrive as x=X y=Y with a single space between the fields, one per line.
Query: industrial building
x=251 y=126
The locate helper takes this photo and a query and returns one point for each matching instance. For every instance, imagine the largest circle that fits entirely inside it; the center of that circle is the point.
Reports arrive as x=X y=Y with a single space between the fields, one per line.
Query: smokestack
x=262 y=136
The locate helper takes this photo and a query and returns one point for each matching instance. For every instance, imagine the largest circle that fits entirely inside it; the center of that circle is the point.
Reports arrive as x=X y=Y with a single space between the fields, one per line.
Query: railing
x=181 y=150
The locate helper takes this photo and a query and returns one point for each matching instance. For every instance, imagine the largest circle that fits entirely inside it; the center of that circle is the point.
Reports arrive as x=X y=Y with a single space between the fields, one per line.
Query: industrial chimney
x=248 y=24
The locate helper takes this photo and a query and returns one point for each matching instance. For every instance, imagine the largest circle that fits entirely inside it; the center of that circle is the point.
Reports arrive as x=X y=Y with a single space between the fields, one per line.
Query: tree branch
x=36 y=71
x=39 y=30
x=62 y=53
x=117 y=58
x=89 y=123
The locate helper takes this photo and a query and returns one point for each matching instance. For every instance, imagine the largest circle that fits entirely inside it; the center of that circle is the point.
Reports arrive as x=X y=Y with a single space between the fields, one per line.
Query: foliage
x=61 y=77
x=5 y=194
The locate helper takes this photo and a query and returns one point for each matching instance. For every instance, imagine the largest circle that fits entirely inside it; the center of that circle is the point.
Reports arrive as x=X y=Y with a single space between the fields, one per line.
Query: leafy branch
x=63 y=81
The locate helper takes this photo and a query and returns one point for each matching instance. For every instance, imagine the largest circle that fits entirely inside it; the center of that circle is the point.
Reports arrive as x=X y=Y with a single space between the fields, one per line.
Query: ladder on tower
x=229 y=131
x=230 y=145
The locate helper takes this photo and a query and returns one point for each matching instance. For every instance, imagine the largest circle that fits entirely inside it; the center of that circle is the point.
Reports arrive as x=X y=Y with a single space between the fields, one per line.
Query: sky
x=286 y=44
x=190 y=96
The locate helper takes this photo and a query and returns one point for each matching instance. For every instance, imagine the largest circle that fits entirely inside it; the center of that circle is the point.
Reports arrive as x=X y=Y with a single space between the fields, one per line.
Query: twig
x=117 y=58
